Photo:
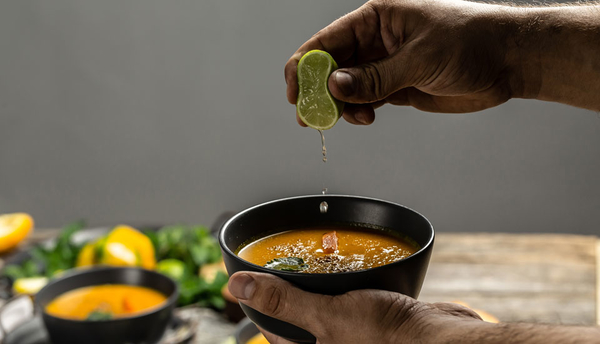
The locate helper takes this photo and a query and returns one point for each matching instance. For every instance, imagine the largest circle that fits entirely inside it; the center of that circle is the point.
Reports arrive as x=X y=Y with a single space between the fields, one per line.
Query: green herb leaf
x=47 y=261
x=194 y=246
x=99 y=316
x=173 y=268
x=14 y=272
x=287 y=264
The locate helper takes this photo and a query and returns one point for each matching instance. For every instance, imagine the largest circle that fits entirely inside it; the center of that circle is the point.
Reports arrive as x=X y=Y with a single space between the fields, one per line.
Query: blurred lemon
x=13 y=229
x=126 y=246
x=87 y=255
x=30 y=285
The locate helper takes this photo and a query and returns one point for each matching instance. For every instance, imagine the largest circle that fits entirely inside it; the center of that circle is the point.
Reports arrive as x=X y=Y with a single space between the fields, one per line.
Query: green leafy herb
x=195 y=289
x=287 y=264
x=48 y=261
x=180 y=250
x=99 y=316
x=27 y=269
x=173 y=268
x=193 y=246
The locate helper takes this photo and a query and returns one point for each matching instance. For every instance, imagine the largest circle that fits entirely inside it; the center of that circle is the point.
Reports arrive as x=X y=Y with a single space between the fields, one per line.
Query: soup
x=327 y=250
x=258 y=339
x=105 y=302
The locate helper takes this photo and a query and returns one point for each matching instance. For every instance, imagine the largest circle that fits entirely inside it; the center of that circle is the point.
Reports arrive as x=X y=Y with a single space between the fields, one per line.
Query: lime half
x=316 y=106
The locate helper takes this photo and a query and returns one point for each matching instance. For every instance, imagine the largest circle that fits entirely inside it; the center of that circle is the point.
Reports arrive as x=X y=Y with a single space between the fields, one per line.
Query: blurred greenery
x=181 y=251
x=48 y=261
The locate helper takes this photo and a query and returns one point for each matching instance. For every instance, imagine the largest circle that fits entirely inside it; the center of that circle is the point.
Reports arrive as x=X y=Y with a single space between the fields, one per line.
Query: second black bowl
x=405 y=276
x=147 y=327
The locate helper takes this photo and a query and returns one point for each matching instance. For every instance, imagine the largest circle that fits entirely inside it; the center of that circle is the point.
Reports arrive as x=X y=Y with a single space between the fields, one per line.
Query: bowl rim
x=320 y=275
x=171 y=299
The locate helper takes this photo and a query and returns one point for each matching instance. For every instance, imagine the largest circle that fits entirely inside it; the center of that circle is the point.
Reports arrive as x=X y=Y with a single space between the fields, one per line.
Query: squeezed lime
x=316 y=106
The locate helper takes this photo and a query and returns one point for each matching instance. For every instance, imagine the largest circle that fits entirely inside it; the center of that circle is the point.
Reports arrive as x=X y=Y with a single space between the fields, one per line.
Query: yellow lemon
x=87 y=255
x=13 y=229
x=126 y=246
x=30 y=285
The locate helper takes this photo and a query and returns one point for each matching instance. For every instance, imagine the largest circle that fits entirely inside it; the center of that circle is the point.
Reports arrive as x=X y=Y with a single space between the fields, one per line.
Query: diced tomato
x=127 y=305
x=330 y=242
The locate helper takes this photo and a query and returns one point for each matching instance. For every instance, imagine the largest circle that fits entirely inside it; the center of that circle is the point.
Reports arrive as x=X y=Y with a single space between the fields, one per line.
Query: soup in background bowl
x=105 y=302
x=274 y=220
x=102 y=305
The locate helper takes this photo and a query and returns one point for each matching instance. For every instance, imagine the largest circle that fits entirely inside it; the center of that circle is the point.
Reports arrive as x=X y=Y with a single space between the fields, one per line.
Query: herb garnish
x=287 y=264
x=99 y=316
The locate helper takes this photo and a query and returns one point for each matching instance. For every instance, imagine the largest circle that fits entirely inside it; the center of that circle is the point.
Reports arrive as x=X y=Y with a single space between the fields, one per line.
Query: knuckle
x=373 y=81
x=379 y=4
x=275 y=303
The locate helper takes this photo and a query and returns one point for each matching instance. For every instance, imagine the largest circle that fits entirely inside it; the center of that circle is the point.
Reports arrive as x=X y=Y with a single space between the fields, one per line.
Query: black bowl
x=404 y=276
x=244 y=331
x=147 y=327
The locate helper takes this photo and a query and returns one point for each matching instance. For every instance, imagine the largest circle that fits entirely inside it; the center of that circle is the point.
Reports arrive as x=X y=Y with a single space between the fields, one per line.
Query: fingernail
x=345 y=83
x=360 y=117
x=242 y=286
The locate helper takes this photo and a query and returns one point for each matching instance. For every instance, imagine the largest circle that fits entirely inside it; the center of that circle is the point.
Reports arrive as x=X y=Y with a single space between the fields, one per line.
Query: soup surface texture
x=104 y=302
x=328 y=250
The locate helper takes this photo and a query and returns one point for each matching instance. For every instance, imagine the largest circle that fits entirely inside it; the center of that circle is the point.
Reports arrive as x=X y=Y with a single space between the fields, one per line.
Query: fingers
x=340 y=39
x=359 y=114
x=302 y=124
x=291 y=79
x=277 y=298
x=373 y=81
x=337 y=39
x=473 y=102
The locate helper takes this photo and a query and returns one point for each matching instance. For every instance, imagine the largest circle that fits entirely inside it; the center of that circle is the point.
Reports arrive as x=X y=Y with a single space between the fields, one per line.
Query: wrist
x=467 y=331
x=442 y=328
x=509 y=31
x=518 y=31
x=551 y=53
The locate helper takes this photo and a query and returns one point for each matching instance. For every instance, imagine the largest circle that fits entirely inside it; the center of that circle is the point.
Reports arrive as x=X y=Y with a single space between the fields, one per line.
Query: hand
x=439 y=56
x=363 y=316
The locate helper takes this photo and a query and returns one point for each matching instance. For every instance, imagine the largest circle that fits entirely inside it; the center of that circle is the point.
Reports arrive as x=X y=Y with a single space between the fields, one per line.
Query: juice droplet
x=323 y=149
x=323 y=207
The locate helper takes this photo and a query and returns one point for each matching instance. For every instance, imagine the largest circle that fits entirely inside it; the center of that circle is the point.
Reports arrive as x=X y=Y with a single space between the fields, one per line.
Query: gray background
x=169 y=111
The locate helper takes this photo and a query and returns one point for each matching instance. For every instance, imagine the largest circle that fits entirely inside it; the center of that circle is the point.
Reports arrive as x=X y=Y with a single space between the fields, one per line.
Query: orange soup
x=104 y=302
x=327 y=250
x=258 y=339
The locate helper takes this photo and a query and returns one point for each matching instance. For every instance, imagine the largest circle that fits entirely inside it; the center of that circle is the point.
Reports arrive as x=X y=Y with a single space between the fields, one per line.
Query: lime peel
x=315 y=106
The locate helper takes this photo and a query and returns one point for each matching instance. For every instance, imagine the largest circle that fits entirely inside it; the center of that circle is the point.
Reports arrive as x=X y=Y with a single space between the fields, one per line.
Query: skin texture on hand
x=382 y=317
x=358 y=317
x=456 y=56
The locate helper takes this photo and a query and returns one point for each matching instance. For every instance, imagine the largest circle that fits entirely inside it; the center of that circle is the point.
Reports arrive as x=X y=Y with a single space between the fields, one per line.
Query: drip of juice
x=323 y=149
x=323 y=207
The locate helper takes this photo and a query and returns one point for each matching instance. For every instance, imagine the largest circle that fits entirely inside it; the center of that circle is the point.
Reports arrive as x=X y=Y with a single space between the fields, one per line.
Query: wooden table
x=516 y=277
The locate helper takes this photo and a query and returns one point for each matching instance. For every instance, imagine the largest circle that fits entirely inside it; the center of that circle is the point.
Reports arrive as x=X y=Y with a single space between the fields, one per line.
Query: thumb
x=279 y=299
x=369 y=82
